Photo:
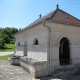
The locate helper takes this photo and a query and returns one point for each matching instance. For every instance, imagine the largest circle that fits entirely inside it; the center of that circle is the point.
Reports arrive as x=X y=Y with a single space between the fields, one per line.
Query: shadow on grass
x=6 y=48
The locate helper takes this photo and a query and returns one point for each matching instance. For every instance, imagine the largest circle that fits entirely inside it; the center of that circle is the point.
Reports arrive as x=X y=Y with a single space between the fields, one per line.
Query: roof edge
x=28 y=28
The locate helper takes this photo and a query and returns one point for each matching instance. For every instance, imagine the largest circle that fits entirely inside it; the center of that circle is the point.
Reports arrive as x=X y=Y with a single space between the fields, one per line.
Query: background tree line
x=6 y=36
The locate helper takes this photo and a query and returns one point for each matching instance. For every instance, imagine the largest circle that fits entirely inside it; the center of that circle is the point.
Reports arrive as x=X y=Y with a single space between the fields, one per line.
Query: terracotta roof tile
x=64 y=18
x=43 y=18
x=57 y=16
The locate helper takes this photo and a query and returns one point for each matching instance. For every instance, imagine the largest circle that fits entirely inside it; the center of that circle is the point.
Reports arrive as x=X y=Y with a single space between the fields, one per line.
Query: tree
x=19 y=29
x=6 y=35
x=14 y=30
x=2 y=41
x=6 y=31
x=0 y=28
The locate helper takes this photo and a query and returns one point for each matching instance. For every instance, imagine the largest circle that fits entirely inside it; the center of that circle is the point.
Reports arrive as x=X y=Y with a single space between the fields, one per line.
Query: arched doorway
x=64 y=52
x=25 y=48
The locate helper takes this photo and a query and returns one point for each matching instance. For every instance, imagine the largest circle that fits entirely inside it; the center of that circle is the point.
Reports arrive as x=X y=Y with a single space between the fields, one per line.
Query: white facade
x=41 y=51
x=55 y=42
x=33 y=51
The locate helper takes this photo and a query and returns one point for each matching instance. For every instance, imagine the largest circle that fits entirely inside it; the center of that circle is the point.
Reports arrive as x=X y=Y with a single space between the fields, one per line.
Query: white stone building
x=48 y=43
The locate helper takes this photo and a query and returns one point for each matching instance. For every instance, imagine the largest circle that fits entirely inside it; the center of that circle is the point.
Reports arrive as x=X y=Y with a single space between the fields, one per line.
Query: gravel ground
x=10 y=72
x=6 y=53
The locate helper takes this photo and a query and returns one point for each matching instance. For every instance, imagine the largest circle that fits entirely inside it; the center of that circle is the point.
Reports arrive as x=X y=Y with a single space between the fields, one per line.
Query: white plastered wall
x=33 y=51
x=58 y=31
x=72 y=33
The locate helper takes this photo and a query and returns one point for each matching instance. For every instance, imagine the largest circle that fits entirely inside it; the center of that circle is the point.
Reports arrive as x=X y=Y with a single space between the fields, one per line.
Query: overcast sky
x=20 y=13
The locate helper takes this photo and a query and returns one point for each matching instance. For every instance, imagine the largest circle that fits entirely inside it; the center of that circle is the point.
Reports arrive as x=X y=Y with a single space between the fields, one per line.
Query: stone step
x=65 y=72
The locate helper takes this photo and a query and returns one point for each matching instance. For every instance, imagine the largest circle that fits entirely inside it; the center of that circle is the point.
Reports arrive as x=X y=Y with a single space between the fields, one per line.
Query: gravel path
x=6 y=53
x=10 y=72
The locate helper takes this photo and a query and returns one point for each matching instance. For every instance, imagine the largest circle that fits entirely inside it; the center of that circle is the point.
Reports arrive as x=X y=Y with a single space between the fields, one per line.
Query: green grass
x=10 y=47
x=4 y=57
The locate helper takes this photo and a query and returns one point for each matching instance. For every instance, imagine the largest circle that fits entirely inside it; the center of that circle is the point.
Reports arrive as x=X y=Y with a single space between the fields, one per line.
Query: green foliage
x=19 y=29
x=6 y=36
x=12 y=41
x=14 y=30
x=9 y=47
x=2 y=41
x=4 y=57
x=6 y=31
x=0 y=28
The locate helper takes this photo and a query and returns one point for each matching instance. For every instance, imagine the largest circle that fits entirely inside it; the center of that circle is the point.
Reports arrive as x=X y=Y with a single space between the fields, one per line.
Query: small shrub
x=12 y=41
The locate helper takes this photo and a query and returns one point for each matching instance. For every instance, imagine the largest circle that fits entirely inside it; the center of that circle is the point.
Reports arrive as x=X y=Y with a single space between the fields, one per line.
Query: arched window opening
x=35 y=42
x=18 y=43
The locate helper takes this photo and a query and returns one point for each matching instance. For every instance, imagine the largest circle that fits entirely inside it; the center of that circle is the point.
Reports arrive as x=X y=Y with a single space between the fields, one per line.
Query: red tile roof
x=64 y=18
x=58 y=16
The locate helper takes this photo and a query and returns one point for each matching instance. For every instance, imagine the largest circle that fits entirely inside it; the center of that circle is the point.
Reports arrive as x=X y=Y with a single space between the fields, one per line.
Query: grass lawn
x=10 y=47
x=4 y=57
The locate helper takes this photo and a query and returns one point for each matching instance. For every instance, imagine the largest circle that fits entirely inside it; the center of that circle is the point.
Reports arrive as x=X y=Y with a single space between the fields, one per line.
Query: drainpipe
x=49 y=46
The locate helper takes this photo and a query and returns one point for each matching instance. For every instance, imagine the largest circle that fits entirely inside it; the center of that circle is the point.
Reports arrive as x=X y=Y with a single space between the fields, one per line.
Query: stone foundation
x=34 y=67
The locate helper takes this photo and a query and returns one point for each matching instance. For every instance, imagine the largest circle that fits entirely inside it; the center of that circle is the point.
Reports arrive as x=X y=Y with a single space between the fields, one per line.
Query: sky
x=20 y=13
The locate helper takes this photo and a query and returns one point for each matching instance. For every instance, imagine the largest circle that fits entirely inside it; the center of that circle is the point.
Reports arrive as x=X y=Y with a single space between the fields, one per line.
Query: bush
x=2 y=43
x=12 y=41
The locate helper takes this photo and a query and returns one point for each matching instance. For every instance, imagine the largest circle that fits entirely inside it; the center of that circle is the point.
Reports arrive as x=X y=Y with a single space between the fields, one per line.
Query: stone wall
x=41 y=51
x=34 y=67
x=34 y=51
x=72 y=33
